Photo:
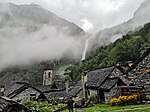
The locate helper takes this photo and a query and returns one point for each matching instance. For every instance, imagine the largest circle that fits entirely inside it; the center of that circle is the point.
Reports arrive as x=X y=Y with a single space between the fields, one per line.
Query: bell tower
x=47 y=77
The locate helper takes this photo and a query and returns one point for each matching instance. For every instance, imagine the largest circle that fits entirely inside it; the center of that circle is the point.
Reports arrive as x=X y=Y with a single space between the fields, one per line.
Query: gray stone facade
x=113 y=93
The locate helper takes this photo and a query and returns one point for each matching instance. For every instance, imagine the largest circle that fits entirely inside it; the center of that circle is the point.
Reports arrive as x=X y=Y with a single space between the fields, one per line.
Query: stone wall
x=138 y=76
x=93 y=93
x=111 y=94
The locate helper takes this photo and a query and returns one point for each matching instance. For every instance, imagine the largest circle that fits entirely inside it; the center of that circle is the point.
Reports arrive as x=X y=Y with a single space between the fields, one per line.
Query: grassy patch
x=105 y=107
x=141 y=110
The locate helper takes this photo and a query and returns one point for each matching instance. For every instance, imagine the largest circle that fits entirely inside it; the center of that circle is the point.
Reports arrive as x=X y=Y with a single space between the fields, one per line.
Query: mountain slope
x=123 y=50
x=141 y=16
x=30 y=34
x=32 y=17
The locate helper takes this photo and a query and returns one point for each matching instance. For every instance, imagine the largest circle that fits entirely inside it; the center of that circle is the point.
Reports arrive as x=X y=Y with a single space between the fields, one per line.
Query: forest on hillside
x=127 y=48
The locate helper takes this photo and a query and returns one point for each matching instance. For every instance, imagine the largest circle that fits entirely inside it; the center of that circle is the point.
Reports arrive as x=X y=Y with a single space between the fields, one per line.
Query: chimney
x=84 y=81
x=130 y=63
x=118 y=64
x=67 y=85
x=2 y=90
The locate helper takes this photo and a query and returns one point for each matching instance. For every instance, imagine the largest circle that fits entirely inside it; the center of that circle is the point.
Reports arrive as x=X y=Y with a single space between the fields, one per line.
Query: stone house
x=21 y=91
x=99 y=84
x=139 y=71
x=8 y=105
x=102 y=84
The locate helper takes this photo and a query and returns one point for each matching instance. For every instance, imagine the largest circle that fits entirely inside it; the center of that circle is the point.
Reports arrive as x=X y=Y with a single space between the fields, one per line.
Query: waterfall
x=85 y=48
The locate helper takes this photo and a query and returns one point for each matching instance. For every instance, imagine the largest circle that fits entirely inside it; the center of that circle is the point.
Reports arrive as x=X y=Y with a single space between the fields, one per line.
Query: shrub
x=124 y=100
x=42 y=106
x=115 y=101
x=132 y=99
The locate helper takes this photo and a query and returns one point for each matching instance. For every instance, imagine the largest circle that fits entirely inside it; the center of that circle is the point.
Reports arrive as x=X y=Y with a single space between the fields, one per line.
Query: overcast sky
x=91 y=15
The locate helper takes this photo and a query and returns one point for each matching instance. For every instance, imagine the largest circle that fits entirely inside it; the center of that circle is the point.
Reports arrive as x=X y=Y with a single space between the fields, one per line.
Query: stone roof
x=53 y=95
x=97 y=77
x=8 y=79
x=44 y=88
x=17 y=88
x=7 y=104
x=77 y=88
x=122 y=69
x=14 y=88
x=109 y=83
x=57 y=85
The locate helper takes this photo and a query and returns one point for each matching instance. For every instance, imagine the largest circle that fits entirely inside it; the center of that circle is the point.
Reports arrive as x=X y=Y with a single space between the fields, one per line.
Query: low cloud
x=87 y=25
x=101 y=13
x=20 y=48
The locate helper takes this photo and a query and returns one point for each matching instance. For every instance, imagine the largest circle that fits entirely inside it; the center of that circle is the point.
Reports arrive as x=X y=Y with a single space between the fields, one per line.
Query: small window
x=49 y=74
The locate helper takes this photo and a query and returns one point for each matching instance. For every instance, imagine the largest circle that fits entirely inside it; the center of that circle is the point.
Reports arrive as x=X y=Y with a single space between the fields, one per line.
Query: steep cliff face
x=106 y=36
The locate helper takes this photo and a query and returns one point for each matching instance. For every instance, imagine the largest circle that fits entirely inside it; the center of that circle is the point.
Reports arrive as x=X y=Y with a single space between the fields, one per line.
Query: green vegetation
x=140 y=110
x=128 y=48
x=42 y=106
x=122 y=50
x=32 y=74
x=105 y=108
